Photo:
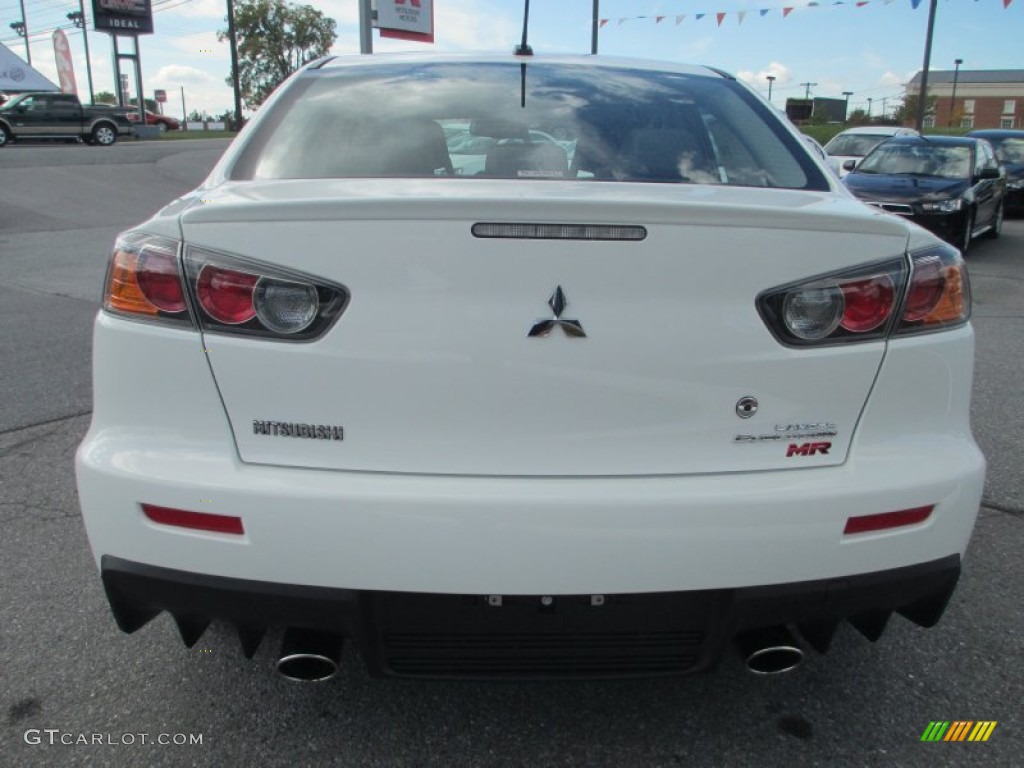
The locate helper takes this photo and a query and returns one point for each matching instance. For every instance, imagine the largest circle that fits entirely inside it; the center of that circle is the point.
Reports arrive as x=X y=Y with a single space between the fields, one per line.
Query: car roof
x=651 y=65
x=947 y=141
x=996 y=133
x=879 y=130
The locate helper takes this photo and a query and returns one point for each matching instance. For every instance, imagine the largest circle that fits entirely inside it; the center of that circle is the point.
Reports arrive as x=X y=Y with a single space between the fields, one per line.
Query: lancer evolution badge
x=558 y=303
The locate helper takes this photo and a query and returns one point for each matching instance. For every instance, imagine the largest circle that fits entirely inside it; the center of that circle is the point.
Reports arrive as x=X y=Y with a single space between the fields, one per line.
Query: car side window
x=989 y=155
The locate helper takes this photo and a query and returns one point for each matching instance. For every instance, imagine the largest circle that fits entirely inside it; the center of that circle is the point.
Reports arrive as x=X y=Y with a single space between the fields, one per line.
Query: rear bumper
x=429 y=635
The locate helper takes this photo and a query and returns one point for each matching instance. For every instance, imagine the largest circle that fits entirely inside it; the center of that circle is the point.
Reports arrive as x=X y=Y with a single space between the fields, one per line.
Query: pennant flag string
x=786 y=10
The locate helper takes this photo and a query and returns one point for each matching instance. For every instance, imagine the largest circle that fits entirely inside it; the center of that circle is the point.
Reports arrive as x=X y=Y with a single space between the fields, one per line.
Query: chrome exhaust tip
x=770 y=651
x=308 y=656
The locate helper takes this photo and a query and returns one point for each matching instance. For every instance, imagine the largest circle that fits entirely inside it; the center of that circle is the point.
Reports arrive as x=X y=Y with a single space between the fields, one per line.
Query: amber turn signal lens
x=951 y=306
x=122 y=292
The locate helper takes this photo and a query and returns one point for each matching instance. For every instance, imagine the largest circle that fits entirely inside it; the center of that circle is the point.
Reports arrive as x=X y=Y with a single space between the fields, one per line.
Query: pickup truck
x=60 y=116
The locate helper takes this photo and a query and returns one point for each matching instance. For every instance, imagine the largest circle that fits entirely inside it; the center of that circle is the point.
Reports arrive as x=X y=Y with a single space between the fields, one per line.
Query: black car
x=951 y=185
x=1009 y=147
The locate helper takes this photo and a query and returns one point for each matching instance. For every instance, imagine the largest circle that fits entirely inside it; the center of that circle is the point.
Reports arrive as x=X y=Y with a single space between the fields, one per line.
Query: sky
x=870 y=48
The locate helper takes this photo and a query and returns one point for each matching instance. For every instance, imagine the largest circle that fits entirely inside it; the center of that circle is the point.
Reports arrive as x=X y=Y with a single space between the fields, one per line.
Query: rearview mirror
x=989 y=173
x=849 y=165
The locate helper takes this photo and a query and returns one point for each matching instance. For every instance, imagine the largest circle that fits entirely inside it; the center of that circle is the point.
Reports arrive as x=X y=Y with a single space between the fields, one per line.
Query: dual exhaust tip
x=310 y=656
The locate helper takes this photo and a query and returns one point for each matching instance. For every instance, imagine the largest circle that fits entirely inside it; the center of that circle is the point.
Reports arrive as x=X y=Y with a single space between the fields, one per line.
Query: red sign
x=65 y=66
x=160 y=96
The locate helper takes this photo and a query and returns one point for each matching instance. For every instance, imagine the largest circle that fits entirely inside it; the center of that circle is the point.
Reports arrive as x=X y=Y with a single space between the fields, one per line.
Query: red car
x=165 y=122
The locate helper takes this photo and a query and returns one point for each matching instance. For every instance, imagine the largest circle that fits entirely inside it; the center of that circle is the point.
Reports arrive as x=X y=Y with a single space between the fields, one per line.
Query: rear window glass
x=854 y=144
x=538 y=121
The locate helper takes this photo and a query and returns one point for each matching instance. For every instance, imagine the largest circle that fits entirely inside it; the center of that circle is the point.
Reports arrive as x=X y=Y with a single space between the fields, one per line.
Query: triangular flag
x=862 y=3
x=741 y=15
x=679 y=19
x=915 y=3
x=787 y=11
x=1006 y=3
x=721 y=17
x=764 y=11
x=604 y=22
x=700 y=16
x=658 y=19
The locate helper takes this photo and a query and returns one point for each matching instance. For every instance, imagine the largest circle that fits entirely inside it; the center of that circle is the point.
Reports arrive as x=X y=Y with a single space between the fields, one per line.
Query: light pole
x=952 y=100
x=869 y=107
x=922 y=99
x=78 y=19
x=21 y=27
x=595 y=24
x=771 y=80
x=846 y=109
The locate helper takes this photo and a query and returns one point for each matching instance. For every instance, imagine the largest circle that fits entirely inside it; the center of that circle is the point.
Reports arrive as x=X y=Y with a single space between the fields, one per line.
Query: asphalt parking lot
x=66 y=672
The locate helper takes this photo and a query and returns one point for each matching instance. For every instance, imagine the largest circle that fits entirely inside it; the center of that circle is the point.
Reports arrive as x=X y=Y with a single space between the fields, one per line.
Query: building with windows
x=973 y=98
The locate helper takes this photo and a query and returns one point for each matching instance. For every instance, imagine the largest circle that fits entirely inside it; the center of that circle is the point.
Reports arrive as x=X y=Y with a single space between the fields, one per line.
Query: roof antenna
x=524 y=49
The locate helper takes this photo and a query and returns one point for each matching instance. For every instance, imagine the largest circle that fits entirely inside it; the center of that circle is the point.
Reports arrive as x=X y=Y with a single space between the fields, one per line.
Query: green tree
x=906 y=113
x=275 y=38
x=105 y=97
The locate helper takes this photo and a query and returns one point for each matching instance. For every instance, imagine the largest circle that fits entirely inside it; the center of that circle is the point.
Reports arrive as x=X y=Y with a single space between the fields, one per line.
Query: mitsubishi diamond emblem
x=558 y=303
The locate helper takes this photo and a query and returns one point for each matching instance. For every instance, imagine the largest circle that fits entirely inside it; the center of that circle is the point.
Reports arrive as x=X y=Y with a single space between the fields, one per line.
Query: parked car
x=950 y=185
x=595 y=418
x=49 y=116
x=856 y=143
x=1009 y=149
x=164 y=122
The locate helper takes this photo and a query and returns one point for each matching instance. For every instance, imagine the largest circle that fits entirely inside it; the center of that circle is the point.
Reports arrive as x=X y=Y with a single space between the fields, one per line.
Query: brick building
x=985 y=98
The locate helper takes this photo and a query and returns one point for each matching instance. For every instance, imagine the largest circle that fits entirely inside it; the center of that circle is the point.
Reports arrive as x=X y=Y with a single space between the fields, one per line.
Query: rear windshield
x=854 y=144
x=533 y=121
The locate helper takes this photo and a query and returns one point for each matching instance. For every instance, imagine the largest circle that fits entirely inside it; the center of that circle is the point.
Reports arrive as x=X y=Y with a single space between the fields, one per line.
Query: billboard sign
x=123 y=17
x=65 y=66
x=406 y=19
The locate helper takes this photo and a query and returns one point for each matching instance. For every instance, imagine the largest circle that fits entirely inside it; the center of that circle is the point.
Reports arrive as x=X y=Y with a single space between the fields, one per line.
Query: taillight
x=926 y=291
x=149 y=278
x=853 y=305
x=939 y=295
x=241 y=297
x=144 y=279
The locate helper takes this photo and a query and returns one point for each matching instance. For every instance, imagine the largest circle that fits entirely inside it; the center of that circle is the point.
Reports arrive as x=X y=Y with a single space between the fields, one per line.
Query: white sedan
x=588 y=413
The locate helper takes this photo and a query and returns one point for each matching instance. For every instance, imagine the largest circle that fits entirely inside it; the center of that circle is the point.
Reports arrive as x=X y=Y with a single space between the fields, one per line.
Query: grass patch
x=190 y=135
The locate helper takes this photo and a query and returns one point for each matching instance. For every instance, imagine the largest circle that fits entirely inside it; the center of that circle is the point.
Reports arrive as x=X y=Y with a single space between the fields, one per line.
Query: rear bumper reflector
x=880 y=522
x=199 y=521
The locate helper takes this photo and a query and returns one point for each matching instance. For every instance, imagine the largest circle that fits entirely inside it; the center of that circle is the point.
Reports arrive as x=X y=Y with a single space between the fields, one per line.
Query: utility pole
x=771 y=81
x=884 y=99
x=846 y=109
x=595 y=24
x=922 y=98
x=807 y=91
x=21 y=27
x=869 y=105
x=365 y=27
x=235 y=86
x=952 y=101
x=78 y=19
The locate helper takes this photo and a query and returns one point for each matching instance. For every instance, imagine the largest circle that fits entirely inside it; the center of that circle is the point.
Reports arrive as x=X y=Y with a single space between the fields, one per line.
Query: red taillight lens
x=926 y=288
x=853 y=305
x=869 y=303
x=226 y=294
x=198 y=521
x=885 y=520
x=159 y=280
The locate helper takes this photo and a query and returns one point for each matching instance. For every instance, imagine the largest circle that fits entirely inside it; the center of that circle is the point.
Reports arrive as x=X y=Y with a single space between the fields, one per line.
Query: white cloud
x=778 y=70
x=892 y=80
